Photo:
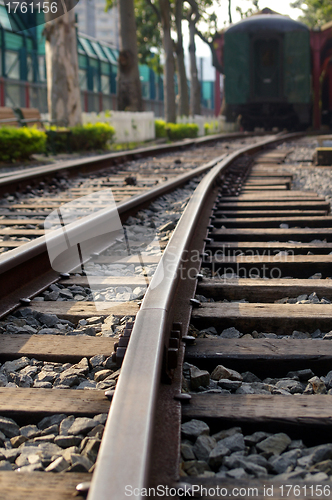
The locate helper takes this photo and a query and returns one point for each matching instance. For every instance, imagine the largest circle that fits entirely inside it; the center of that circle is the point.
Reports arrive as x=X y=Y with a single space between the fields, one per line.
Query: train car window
x=268 y=56
x=266 y=74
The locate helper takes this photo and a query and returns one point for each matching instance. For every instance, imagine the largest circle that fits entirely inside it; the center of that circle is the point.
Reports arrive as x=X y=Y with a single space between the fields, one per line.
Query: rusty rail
x=124 y=456
x=27 y=270
x=19 y=180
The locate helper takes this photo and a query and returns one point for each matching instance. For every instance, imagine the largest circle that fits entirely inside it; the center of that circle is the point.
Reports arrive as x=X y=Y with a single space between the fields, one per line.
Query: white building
x=95 y=22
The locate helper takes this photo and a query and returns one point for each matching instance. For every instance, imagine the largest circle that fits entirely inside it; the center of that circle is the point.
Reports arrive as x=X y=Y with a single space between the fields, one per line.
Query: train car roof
x=265 y=22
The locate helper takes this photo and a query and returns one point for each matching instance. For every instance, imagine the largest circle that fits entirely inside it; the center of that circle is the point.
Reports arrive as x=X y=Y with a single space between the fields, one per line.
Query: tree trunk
x=195 y=88
x=169 y=90
x=230 y=11
x=128 y=82
x=63 y=91
x=183 y=109
x=215 y=58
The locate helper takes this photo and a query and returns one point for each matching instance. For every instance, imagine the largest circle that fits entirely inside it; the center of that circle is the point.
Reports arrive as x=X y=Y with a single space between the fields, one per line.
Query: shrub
x=160 y=126
x=57 y=142
x=211 y=128
x=21 y=143
x=177 y=131
x=91 y=136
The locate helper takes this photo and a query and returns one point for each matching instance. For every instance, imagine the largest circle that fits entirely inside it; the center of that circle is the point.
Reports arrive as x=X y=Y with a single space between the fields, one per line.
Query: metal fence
x=207 y=111
x=156 y=106
x=19 y=94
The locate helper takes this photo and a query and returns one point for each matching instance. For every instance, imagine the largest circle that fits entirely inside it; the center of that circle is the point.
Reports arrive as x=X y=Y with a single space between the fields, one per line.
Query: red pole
x=27 y=95
x=85 y=101
x=315 y=47
x=217 y=100
x=2 y=92
x=329 y=71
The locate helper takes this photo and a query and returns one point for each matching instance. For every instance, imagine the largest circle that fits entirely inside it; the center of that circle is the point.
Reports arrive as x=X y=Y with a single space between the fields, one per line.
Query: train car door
x=266 y=69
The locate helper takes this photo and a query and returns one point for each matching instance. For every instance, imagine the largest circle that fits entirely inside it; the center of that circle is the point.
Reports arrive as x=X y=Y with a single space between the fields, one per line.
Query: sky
x=203 y=51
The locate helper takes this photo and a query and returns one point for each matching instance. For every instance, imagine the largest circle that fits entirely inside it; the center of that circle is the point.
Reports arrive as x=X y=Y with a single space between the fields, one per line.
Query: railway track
x=31 y=195
x=141 y=443
x=284 y=362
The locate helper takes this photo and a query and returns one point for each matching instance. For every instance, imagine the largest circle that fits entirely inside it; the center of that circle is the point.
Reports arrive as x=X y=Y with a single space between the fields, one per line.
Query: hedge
x=82 y=137
x=211 y=127
x=160 y=127
x=21 y=143
x=91 y=136
x=178 y=131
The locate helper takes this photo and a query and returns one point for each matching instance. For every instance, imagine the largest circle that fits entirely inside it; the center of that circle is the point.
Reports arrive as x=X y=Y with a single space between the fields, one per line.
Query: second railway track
x=253 y=405
x=30 y=195
x=230 y=258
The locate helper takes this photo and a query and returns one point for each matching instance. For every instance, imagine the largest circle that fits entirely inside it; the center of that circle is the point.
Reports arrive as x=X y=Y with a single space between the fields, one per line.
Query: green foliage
x=79 y=138
x=148 y=31
x=315 y=12
x=175 y=131
x=57 y=141
x=178 y=131
x=249 y=12
x=211 y=127
x=20 y=143
x=124 y=146
x=148 y=35
x=91 y=136
x=160 y=127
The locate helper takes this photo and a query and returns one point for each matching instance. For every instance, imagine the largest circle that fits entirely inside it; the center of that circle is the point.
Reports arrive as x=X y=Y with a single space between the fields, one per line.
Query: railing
x=156 y=106
x=19 y=94
x=207 y=111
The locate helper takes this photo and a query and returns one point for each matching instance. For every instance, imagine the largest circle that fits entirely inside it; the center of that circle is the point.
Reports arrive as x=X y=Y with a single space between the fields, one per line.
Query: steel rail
x=20 y=266
x=24 y=177
x=123 y=458
x=23 y=254
x=18 y=255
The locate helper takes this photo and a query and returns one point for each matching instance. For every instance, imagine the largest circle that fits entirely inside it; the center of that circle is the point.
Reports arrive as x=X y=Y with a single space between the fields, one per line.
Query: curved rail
x=22 y=265
x=126 y=445
x=23 y=178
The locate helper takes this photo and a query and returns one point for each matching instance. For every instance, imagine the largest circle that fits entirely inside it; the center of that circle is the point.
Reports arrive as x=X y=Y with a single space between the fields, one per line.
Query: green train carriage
x=267 y=72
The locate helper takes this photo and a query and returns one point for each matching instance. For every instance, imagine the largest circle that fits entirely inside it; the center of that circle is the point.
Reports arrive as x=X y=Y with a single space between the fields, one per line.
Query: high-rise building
x=94 y=21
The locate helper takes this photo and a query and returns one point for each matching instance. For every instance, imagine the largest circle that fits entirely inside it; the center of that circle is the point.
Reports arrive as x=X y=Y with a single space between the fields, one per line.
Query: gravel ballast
x=58 y=443
x=223 y=380
x=99 y=373
x=232 y=454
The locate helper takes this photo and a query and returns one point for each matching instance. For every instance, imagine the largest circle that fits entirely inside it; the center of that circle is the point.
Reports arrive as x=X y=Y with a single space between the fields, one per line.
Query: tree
x=149 y=40
x=193 y=16
x=164 y=15
x=63 y=90
x=315 y=12
x=169 y=67
x=181 y=69
x=230 y=11
x=148 y=30
x=249 y=12
x=163 y=11
x=129 y=85
x=210 y=20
